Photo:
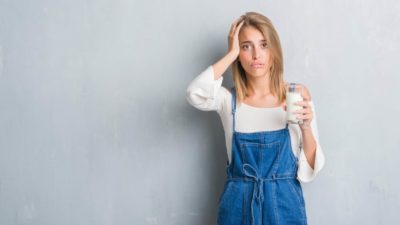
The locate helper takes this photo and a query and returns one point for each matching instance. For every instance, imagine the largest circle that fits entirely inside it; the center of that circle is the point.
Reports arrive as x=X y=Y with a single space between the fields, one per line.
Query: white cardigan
x=207 y=94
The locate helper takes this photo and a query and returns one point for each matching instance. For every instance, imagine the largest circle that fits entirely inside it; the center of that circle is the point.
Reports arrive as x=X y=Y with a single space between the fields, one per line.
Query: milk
x=291 y=98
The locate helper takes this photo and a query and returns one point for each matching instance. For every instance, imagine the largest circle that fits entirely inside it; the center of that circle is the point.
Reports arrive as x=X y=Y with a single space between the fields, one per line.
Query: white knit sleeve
x=205 y=93
x=305 y=173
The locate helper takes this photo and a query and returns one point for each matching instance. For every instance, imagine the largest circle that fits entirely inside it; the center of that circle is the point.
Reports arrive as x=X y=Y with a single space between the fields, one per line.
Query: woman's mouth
x=257 y=65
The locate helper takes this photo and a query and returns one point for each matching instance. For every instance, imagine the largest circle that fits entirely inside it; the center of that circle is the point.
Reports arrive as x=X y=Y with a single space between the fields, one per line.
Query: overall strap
x=233 y=107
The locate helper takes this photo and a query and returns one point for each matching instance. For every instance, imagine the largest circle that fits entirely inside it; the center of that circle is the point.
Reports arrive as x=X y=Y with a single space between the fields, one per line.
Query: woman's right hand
x=233 y=37
x=233 y=52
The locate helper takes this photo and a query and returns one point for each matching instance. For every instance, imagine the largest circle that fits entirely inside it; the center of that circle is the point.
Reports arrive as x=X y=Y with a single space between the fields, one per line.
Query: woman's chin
x=257 y=73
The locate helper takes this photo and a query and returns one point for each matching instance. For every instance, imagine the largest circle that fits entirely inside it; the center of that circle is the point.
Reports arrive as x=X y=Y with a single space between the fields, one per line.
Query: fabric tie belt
x=258 y=191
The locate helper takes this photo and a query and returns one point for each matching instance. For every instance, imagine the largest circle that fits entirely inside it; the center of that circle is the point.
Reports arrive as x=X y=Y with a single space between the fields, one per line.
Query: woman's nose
x=256 y=53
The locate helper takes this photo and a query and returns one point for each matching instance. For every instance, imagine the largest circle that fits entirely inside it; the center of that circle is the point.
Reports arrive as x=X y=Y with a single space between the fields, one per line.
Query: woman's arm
x=202 y=93
x=308 y=168
x=233 y=51
x=223 y=64
x=307 y=115
x=309 y=145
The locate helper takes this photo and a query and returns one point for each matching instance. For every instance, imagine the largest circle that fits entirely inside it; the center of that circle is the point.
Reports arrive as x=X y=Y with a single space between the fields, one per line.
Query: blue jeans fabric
x=261 y=186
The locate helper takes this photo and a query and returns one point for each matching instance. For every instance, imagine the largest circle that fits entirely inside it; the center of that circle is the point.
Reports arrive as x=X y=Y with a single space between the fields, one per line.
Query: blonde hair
x=277 y=84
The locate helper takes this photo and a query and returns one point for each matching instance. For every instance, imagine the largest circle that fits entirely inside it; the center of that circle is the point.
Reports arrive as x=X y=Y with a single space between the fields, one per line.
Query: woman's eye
x=246 y=47
x=265 y=45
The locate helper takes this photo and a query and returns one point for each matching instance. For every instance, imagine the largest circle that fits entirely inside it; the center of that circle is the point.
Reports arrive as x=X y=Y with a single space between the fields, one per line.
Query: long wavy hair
x=277 y=84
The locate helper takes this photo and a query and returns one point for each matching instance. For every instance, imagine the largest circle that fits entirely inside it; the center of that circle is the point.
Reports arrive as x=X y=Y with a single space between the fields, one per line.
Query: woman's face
x=254 y=55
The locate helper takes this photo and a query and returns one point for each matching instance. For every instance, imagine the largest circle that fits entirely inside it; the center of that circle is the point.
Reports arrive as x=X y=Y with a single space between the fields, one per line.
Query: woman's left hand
x=306 y=114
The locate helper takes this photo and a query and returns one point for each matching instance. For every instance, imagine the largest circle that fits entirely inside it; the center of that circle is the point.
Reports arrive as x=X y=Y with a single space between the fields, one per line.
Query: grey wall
x=95 y=128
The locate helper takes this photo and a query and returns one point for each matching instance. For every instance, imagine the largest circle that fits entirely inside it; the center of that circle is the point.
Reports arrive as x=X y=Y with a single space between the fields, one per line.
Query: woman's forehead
x=251 y=34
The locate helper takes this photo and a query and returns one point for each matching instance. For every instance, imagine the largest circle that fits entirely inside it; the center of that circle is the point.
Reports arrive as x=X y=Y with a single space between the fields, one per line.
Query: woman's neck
x=258 y=86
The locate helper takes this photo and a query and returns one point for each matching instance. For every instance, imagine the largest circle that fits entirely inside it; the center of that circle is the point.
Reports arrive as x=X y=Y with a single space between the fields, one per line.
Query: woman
x=267 y=157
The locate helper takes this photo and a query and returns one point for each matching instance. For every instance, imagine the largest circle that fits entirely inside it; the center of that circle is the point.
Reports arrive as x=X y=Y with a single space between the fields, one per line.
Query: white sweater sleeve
x=205 y=93
x=305 y=173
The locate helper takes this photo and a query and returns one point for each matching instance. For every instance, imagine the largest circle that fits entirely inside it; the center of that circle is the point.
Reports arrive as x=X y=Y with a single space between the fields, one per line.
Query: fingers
x=239 y=26
x=303 y=103
x=306 y=112
x=303 y=111
x=235 y=27
x=304 y=117
x=232 y=28
x=237 y=21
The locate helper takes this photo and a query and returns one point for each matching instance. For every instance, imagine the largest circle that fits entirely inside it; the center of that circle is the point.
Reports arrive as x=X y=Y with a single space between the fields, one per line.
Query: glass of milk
x=293 y=94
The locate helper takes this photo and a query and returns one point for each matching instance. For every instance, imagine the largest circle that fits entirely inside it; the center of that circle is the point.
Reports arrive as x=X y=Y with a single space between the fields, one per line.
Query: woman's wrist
x=232 y=55
x=222 y=65
x=305 y=127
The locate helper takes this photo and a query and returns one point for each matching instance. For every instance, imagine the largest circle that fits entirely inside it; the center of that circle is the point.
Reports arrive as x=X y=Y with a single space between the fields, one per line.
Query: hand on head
x=233 y=37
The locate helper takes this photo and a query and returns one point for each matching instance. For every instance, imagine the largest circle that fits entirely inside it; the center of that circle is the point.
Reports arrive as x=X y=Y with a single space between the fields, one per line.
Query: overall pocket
x=290 y=203
x=231 y=204
x=263 y=157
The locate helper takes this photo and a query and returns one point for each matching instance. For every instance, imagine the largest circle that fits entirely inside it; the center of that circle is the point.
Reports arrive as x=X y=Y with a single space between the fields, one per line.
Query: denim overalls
x=261 y=186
